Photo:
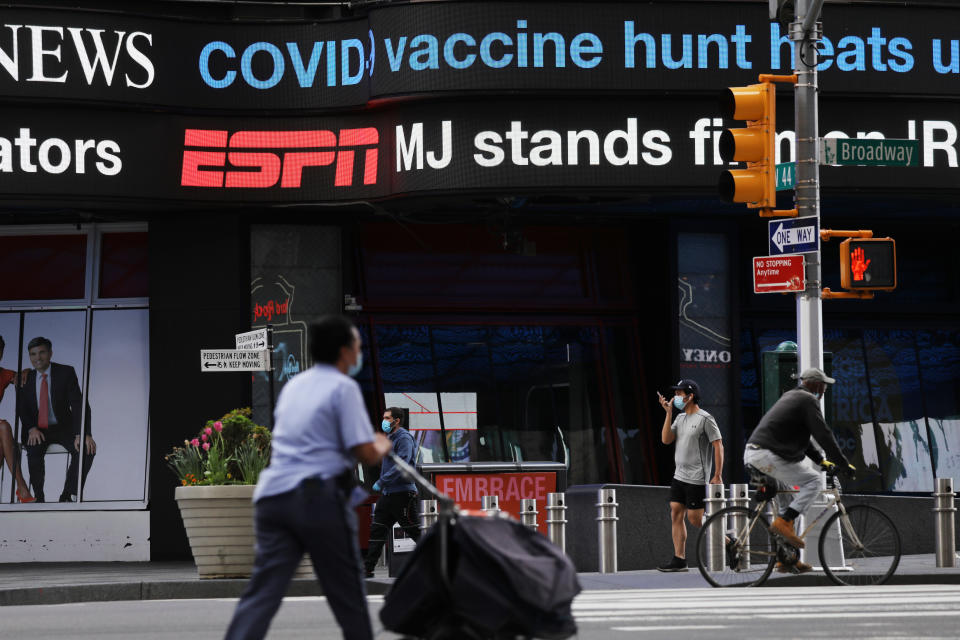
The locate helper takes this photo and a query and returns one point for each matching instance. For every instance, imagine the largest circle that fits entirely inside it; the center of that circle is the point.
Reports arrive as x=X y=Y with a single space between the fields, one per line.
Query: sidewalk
x=62 y=582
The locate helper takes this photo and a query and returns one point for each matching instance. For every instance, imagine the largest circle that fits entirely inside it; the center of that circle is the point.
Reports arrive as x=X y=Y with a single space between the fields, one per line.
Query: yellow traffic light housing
x=756 y=145
x=868 y=264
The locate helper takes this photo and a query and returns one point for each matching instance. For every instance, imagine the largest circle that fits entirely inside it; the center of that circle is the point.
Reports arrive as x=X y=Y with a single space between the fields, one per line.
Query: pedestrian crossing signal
x=868 y=264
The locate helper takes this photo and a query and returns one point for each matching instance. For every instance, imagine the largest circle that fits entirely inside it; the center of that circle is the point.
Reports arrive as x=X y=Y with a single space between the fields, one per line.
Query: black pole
x=270 y=373
x=17 y=383
x=84 y=403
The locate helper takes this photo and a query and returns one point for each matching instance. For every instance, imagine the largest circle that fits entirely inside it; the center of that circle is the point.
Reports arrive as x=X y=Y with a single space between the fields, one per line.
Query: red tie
x=43 y=420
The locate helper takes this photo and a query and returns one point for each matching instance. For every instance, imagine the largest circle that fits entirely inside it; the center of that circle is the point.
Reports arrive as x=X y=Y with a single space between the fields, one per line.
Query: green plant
x=231 y=450
x=187 y=463
x=252 y=457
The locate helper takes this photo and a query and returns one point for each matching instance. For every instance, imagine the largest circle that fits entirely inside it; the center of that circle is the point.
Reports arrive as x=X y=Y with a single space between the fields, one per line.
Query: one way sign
x=794 y=235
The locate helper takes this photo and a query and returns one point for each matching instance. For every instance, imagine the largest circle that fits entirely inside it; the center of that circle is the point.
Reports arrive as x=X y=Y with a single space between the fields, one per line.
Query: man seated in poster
x=50 y=409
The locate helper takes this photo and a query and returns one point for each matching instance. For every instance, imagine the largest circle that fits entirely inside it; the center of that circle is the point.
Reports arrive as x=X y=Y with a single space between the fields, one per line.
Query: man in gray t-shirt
x=699 y=447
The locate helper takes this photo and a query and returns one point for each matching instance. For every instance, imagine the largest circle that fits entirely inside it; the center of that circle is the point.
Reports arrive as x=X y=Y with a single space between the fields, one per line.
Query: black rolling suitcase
x=481 y=577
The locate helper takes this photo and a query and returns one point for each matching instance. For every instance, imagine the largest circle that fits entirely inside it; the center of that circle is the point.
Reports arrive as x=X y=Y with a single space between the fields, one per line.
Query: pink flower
x=218 y=426
x=206 y=446
x=208 y=431
x=195 y=442
x=204 y=437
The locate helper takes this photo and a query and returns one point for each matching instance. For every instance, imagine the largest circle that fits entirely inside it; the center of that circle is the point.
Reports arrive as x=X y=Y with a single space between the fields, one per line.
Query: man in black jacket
x=779 y=443
x=51 y=413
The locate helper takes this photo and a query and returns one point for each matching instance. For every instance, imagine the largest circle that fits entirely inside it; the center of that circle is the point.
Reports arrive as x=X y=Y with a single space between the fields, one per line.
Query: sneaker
x=784 y=528
x=675 y=565
x=800 y=567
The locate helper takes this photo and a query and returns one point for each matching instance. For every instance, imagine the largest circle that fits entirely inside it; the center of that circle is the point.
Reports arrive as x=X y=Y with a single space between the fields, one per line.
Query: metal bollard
x=557 y=520
x=490 y=503
x=740 y=497
x=715 y=545
x=428 y=514
x=528 y=513
x=946 y=547
x=607 y=529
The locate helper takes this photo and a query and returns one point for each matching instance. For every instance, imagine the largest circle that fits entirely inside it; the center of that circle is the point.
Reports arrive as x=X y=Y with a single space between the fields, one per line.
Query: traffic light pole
x=805 y=32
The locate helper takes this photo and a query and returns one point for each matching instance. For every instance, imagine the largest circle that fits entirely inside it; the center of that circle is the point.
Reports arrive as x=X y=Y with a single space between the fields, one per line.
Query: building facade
x=516 y=202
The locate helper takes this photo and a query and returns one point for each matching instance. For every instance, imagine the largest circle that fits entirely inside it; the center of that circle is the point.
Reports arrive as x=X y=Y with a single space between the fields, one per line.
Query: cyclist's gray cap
x=816 y=374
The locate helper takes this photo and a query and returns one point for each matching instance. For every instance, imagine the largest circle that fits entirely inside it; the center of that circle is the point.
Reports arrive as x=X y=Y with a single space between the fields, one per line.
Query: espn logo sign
x=266 y=157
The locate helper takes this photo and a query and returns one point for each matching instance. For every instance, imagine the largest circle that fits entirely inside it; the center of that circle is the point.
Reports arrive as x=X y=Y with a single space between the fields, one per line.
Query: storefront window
x=498 y=393
x=704 y=322
x=43 y=267
x=895 y=408
x=938 y=353
x=123 y=265
x=96 y=383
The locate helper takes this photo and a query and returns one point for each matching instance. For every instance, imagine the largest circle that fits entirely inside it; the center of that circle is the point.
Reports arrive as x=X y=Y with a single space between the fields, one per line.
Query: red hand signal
x=857 y=264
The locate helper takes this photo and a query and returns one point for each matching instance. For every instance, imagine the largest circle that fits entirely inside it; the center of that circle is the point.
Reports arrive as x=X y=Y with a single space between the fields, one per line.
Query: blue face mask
x=387 y=426
x=354 y=369
x=678 y=402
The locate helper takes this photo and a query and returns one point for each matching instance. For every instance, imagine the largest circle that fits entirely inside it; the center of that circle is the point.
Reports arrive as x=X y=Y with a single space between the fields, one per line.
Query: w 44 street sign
x=870 y=152
x=786 y=176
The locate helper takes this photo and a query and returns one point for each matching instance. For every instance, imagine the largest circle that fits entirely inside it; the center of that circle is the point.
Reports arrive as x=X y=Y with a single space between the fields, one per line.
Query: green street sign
x=870 y=152
x=786 y=176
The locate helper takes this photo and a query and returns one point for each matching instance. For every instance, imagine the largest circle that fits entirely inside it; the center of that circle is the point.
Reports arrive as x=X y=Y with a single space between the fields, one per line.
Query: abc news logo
x=261 y=159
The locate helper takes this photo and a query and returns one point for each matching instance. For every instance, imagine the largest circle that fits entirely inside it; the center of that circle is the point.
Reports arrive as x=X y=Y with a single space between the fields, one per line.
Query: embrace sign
x=395 y=50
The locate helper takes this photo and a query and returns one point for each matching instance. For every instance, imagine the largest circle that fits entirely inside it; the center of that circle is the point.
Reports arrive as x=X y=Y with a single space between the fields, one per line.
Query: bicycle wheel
x=869 y=549
x=735 y=549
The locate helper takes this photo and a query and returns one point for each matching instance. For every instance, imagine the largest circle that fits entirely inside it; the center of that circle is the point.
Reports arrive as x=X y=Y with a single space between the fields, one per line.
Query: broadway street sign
x=234 y=360
x=870 y=152
x=794 y=235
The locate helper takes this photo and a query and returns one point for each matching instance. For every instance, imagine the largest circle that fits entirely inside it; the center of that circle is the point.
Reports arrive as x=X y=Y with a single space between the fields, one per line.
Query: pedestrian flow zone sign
x=778 y=274
x=234 y=360
x=252 y=340
x=794 y=235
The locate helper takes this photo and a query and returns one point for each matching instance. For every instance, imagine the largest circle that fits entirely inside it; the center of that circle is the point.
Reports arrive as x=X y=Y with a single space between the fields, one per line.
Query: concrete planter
x=219 y=524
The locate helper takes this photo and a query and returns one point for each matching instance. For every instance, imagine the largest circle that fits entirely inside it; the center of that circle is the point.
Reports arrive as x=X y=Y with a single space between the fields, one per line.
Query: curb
x=161 y=590
x=232 y=588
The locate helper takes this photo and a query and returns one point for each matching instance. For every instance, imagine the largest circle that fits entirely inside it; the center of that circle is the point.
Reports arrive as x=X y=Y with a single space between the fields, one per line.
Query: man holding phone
x=698 y=444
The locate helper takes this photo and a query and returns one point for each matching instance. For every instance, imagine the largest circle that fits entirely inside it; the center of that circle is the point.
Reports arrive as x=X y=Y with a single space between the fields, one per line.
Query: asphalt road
x=921 y=611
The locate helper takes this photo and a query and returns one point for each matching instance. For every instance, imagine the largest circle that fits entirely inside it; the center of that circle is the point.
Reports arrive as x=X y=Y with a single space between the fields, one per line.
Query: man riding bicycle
x=782 y=439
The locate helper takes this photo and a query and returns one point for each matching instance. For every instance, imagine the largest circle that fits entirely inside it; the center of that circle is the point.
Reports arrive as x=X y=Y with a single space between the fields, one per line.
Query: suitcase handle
x=414 y=476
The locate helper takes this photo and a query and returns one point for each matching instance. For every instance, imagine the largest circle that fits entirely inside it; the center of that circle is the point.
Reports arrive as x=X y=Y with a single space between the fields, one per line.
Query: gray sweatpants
x=793 y=474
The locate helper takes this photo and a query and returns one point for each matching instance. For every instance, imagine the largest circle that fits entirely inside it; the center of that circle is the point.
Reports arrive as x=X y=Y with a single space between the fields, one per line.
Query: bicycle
x=736 y=548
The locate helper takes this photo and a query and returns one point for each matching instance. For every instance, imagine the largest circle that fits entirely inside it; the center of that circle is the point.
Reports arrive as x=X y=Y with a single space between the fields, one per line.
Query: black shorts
x=691 y=496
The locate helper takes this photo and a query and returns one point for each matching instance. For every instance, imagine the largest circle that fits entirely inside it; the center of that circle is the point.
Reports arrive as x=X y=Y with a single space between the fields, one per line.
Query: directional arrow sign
x=773 y=274
x=252 y=340
x=872 y=152
x=215 y=360
x=794 y=235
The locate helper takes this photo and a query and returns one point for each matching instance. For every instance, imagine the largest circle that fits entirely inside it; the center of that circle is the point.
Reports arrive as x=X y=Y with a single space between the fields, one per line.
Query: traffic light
x=868 y=264
x=756 y=185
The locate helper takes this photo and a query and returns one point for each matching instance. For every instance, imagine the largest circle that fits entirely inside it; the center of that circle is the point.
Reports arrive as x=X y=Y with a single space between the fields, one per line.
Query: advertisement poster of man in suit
x=51 y=413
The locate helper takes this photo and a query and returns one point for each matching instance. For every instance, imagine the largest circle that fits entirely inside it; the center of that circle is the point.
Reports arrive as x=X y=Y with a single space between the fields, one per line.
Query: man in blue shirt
x=398 y=502
x=303 y=497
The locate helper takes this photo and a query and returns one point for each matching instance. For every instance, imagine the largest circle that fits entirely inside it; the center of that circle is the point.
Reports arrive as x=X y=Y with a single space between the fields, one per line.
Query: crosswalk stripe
x=658 y=609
